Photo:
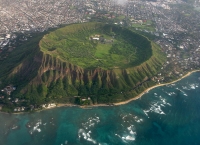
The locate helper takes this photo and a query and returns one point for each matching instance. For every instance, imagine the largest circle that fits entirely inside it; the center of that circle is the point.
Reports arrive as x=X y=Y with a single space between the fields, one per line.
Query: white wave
x=39 y=130
x=126 y=118
x=170 y=85
x=131 y=129
x=131 y=132
x=185 y=88
x=138 y=120
x=36 y=127
x=103 y=144
x=146 y=112
x=156 y=107
x=66 y=142
x=192 y=86
x=14 y=127
x=169 y=93
x=182 y=92
x=91 y=140
x=91 y=122
x=86 y=135
x=129 y=138
x=163 y=101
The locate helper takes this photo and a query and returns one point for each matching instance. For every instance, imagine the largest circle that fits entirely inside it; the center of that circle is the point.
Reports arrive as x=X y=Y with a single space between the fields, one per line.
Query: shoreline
x=159 y=85
x=114 y=104
x=135 y=98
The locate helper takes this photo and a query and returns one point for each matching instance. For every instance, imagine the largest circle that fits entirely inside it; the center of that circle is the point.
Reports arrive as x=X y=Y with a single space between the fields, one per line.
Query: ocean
x=167 y=115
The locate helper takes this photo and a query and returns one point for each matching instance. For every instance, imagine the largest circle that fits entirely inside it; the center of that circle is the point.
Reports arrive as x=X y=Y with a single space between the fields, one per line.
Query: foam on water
x=182 y=92
x=155 y=106
x=164 y=102
x=85 y=133
x=128 y=136
x=36 y=127
x=130 y=116
x=171 y=93
x=91 y=122
x=128 y=133
x=125 y=124
x=191 y=86
x=66 y=142
x=171 y=85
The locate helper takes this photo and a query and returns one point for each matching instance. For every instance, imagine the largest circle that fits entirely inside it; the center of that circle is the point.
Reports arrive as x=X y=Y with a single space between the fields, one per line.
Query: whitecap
x=145 y=112
x=169 y=104
x=39 y=130
x=131 y=132
x=86 y=136
x=91 y=140
x=36 y=127
x=130 y=138
x=155 y=107
x=185 y=94
x=192 y=86
x=185 y=88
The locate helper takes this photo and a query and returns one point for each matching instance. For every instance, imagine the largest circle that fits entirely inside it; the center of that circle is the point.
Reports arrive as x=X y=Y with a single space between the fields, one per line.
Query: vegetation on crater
x=116 y=47
x=69 y=66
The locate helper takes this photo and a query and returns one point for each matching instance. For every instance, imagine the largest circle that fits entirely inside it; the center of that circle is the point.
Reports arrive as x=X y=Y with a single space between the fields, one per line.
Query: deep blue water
x=168 y=115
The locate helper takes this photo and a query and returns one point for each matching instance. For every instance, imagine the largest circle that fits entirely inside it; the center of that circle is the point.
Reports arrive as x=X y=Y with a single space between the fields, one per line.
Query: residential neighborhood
x=175 y=29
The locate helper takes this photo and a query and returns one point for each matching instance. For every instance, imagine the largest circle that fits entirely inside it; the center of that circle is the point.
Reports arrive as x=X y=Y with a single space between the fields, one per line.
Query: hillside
x=70 y=64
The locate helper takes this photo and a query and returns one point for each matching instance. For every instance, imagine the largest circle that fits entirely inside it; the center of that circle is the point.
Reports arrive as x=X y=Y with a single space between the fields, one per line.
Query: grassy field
x=102 y=50
x=118 y=50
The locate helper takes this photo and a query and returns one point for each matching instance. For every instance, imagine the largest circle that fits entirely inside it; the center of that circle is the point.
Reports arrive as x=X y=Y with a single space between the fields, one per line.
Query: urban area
x=173 y=24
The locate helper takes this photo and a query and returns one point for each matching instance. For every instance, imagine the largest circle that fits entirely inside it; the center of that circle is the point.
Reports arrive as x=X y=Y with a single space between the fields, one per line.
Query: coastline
x=114 y=104
x=135 y=98
x=159 y=85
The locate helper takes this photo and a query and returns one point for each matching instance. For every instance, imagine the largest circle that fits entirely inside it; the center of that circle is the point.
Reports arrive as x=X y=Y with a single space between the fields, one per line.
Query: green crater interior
x=116 y=48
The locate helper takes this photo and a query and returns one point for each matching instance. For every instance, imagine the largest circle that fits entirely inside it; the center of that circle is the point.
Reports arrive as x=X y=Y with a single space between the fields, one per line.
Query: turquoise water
x=168 y=115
